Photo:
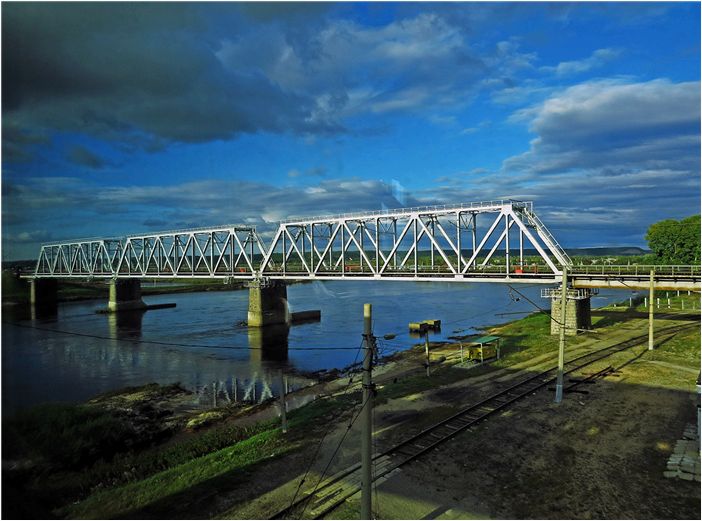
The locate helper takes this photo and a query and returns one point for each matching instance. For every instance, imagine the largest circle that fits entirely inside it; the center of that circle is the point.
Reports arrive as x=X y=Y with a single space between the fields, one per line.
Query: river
x=201 y=343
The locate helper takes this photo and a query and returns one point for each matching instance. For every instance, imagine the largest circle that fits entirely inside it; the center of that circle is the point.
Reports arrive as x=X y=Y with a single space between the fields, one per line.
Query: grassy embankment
x=86 y=453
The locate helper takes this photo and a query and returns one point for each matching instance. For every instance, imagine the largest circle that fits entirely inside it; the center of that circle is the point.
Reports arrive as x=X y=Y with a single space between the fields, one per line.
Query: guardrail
x=638 y=270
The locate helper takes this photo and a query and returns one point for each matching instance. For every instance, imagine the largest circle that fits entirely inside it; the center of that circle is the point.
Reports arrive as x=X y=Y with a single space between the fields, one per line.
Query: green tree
x=675 y=242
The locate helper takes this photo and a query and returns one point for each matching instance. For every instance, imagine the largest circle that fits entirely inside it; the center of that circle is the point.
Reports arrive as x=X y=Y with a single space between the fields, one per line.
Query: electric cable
x=170 y=344
x=329 y=425
x=535 y=305
x=336 y=450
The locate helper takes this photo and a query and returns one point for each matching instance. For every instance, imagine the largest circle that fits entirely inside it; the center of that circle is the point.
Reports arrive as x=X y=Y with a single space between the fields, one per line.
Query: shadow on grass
x=610 y=318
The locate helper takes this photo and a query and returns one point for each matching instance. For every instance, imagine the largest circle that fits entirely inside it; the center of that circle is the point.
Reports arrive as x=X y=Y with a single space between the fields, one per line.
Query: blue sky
x=123 y=118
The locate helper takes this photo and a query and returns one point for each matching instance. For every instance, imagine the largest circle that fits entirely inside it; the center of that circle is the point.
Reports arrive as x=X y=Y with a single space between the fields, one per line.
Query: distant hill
x=609 y=251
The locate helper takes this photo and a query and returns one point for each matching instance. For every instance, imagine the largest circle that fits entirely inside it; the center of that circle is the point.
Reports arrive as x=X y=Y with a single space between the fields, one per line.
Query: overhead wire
x=170 y=344
x=329 y=425
x=336 y=450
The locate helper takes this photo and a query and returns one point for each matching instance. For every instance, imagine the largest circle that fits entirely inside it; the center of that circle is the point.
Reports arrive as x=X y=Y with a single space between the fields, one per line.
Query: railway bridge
x=500 y=241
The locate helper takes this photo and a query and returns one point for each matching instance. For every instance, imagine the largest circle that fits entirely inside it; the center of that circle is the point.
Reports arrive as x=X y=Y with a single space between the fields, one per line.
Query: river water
x=76 y=353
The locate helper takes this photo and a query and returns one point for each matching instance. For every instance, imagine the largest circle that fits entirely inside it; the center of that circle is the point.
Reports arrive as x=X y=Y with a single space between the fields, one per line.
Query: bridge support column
x=125 y=294
x=578 y=311
x=268 y=303
x=43 y=292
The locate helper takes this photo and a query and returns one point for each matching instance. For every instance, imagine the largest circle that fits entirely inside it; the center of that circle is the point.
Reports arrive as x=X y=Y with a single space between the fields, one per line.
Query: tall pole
x=426 y=348
x=650 y=311
x=366 y=414
x=561 y=340
x=283 y=412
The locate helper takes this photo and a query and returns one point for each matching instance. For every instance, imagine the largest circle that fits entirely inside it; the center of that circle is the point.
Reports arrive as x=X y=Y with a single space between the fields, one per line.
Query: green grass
x=132 y=497
x=219 y=453
x=682 y=349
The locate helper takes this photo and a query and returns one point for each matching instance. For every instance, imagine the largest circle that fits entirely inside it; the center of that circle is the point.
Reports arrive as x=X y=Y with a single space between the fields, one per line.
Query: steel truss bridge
x=434 y=243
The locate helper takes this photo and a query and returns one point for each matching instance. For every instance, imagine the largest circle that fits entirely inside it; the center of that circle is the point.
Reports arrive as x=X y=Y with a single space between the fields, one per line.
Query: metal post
x=431 y=244
x=507 y=243
x=561 y=342
x=361 y=249
x=416 y=245
x=426 y=349
x=458 y=241
x=521 y=248
x=283 y=405
x=394 y=242
x=285 y=253
x=461 y=352
x=650 y=311
x=474 y=233
x=377 y=245
x=367 y=414
x=343 y=252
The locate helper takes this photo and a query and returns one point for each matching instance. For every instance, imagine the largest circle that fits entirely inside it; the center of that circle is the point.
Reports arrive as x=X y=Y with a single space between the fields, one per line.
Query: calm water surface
x=201 y=343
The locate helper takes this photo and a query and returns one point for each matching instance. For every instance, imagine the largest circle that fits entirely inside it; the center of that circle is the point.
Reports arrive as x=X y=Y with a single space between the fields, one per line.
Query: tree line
x=675 y=242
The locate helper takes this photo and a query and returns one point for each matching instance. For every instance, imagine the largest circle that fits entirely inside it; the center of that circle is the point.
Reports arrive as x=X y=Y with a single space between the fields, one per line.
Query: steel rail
x=411 y=448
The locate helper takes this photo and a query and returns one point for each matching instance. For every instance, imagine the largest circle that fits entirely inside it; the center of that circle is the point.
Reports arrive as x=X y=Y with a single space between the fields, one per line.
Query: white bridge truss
x=428 y=243
x=225 y=251
x=476 y=241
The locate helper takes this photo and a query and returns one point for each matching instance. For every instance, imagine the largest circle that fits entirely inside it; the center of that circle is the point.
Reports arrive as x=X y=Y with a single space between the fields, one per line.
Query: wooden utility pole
x=367 y=413
x=650 y=311
x=561 y=342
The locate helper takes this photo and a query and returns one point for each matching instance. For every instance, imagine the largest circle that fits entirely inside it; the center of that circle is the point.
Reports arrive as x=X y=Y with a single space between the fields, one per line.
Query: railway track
x=334 y=490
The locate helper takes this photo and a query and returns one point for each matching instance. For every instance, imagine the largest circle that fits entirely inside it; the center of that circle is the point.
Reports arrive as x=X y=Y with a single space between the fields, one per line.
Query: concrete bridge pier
x=43 y=298
x=125 y=294
x=268 y=303
x=578 y=310
x=43 y=292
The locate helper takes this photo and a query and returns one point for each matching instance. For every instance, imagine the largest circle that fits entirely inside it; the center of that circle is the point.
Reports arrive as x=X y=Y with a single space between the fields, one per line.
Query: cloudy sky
x=124 y=118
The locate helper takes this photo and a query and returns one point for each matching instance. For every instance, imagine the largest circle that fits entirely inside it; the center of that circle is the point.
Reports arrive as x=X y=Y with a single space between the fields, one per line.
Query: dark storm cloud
x=117 y=71
x=149 y=74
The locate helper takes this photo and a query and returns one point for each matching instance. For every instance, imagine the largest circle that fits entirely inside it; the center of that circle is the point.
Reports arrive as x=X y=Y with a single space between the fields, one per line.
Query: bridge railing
x=638 y=270
x=414 y=209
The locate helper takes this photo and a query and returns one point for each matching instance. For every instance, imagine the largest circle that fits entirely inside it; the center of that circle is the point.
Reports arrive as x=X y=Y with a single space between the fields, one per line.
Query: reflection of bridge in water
x=265 y=345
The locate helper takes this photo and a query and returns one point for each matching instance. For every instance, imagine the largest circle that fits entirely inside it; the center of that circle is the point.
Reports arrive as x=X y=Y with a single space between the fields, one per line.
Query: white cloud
x=597 y=59
x=614 y=124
